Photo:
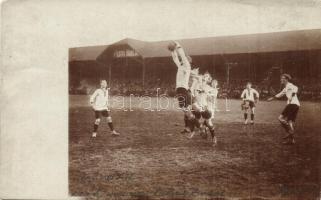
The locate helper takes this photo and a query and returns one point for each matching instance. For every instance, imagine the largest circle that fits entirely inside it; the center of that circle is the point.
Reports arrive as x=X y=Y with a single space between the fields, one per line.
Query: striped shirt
x=249 y=94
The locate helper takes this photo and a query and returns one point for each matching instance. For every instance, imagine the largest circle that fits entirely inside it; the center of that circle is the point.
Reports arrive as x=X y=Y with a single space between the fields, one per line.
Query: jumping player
x=289 y=114
x=250 y=97
x=182 y=79
x=99 y=102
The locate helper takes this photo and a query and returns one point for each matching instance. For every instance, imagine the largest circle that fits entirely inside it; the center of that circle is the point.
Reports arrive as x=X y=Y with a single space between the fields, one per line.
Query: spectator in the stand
x=310 y=91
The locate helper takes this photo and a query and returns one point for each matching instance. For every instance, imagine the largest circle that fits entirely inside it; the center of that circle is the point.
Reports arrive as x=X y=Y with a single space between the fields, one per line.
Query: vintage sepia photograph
x=160 y=100
x=213 y=117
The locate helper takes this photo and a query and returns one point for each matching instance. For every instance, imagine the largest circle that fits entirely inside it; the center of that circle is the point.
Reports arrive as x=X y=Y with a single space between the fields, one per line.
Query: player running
x=289 y=114
x=182 y=79
x=250 y=97
x=99 y=102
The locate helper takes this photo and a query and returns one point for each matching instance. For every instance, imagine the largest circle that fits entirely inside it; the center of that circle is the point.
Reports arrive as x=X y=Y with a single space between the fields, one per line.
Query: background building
x=139 y=67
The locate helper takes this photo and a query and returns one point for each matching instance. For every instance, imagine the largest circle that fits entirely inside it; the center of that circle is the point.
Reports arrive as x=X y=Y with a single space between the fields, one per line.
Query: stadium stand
x=139 y=68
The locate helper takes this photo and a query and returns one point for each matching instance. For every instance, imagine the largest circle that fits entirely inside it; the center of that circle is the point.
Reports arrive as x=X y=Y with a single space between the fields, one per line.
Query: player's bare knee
x=282 y=120
x=109 y=119
x=189 y=115
x=208 y=123
x=97 y=121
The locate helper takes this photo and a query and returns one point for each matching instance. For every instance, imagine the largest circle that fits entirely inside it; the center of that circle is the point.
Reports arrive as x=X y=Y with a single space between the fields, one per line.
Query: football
x=171 y=46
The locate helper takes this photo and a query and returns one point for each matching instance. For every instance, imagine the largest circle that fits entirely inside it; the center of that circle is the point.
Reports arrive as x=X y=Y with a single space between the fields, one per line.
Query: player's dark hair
x=287 y=76
x=193 y=66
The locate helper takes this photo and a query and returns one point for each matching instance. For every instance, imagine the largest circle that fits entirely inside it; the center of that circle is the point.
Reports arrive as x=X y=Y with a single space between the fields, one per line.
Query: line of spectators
x=232 y=90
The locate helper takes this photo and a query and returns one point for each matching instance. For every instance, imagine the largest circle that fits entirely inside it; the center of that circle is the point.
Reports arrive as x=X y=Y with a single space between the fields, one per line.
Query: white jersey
x=213 y=92
x=212 y=99
x=202 y=94
x=183 y=68
x=99 y=99
x=249 y=94
x=290 y=91
x=195 y=83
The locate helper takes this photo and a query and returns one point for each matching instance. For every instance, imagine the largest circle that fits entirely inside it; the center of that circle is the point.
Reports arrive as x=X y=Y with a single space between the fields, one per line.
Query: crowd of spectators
x=154 y=87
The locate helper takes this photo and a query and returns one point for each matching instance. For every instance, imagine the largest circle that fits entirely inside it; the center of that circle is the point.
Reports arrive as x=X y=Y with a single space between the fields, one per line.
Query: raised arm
x=181 y=53
x=175 y=59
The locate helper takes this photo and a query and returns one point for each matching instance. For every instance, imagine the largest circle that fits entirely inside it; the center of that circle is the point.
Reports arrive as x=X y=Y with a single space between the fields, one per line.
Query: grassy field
x=152 y=160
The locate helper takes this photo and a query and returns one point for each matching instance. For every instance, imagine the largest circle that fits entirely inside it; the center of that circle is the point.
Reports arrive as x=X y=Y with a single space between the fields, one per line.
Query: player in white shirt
x=250 y=97
x=99 y=102
x=201 y=106
x=212 y=97
x=289 y=114
x=183 y=94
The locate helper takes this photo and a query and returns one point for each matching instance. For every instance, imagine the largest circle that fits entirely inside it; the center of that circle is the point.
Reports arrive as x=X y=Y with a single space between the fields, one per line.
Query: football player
x=212 y=99
x=99 y=102
x=183 y=93
x=250 y=97
x=201 y=109
x=289 y=114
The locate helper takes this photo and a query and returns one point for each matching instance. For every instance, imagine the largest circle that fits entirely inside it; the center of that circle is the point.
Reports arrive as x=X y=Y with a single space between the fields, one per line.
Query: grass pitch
x=152 y=160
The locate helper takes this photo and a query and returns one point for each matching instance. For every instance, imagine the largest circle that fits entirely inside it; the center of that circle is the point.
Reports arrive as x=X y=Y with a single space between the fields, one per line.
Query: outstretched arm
x=175 y=59
x=181 y=53
x=282 y=93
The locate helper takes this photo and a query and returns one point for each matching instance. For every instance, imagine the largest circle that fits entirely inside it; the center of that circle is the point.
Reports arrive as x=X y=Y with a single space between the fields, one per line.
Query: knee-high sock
x=245 y=116
x=197 y=123
x=186 y=121
x=252 y=116
x=291 y=128
x=95 y=127
x=212 y=131
x=210 y=127
x=194 y=123
x=191 y=125
x=111 y=126
x=284 y=124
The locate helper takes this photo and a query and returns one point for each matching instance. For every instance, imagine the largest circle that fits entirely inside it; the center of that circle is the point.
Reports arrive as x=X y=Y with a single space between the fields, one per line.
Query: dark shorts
x=197 y=114
x=101 y=113
x=184 y=97
x=206 y=114
x=248 y=104
x=290 y=111
x=251 y=104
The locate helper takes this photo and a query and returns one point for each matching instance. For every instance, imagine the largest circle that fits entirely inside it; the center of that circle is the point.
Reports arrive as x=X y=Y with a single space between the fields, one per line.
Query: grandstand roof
x=251 y=43
x=86 y=53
